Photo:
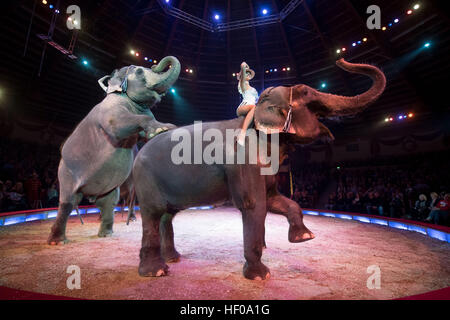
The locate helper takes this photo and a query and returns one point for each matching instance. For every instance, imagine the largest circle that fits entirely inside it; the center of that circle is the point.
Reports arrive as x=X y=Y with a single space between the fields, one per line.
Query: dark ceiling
x=306 y=41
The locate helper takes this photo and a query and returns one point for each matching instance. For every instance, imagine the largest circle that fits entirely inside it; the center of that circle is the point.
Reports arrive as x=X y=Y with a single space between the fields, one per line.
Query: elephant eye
x=139 y=72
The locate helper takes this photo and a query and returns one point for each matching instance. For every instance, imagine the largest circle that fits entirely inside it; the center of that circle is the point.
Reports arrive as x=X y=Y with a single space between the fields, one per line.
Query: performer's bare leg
x=247 y=122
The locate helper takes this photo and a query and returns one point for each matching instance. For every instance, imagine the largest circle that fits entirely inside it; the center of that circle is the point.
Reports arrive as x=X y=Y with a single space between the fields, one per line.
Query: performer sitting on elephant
x=249 y=98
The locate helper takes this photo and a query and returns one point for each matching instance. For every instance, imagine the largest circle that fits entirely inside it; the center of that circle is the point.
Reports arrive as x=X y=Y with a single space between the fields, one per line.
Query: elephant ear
x=274 y=115
x=115 y=82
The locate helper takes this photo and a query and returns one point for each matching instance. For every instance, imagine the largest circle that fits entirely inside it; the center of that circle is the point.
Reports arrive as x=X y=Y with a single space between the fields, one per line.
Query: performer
x=249 y=98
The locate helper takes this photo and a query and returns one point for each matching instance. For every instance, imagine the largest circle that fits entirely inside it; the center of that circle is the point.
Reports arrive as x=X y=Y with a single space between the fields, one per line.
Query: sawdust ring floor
x=332 y=266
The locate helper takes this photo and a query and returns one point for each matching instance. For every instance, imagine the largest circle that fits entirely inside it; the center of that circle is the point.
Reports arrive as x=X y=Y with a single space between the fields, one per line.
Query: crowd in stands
x=411 y=187
x=28 y=176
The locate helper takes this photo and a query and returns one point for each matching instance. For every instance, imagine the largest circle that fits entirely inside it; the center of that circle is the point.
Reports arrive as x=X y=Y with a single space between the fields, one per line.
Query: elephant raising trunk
x=166 y=79
x=335 y=105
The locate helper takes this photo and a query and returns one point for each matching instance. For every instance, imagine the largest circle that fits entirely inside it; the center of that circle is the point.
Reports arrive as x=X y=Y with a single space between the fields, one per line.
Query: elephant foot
x=133 y=217
x=256 y=272
x=171 y=256
x=300 y=234
x=153 y=269
x=103 y=233
x=54 y=239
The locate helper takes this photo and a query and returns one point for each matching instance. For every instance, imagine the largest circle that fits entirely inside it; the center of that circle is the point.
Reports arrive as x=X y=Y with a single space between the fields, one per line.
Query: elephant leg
x=131 y=202
x=106 y=205
x=247 y=189
x=168 y=251
x=280 y=204
x=151 y=262
x=68 y=200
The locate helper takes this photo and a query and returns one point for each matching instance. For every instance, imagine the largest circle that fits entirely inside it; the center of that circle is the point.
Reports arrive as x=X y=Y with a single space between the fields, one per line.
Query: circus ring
x=413 y=258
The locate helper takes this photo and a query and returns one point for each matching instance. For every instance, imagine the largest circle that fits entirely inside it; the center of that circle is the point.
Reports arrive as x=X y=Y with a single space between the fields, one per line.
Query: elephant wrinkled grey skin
x=98 y=156
x=164 y=188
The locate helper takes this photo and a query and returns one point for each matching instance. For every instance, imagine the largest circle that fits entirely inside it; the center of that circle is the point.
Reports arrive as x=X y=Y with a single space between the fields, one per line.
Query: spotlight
x=271 y=70
x=145 y=58
x=323 y=85
x=132 y=52
x=410 y=115
x=409 y=12
x=338 y=51
x=267 y=71
x=390 y=24
x=417 y=6
x=386 y=120
x=354 y=44
x=427 y=45
x=137 y=54
x=173 y=90
x=217 y=17
x=365 y=39
x=396 y=21
x=284 y=69
x=344 y=49
x=391 y=119
x=56 y=11
x=384 y=28
x=187 y=70
x=50 y=6
x=154 y=61
x=85 y=62
x=288 y=69
x=234 y=74
x=69 y=18
x=264 y=11
x=359 y=42
x=191 y=71
x=167 y=1
x=44 y=1
x=150 y=60
x=400 y=117
x=275 y=70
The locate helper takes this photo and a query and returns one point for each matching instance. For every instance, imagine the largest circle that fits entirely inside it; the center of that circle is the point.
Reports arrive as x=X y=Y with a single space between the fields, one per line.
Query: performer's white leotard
x=249 y=97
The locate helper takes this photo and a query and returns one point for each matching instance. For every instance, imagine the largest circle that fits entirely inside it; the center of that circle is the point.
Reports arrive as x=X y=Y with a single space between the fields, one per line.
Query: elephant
x=165 y=188
x=98 y=156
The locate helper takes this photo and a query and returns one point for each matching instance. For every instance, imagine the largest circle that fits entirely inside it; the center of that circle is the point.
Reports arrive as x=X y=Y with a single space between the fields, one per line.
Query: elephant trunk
x=167 y=78
x=339 y=106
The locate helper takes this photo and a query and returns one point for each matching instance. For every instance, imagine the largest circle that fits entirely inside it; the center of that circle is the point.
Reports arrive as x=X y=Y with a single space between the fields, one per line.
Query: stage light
x=85 y=62
x=154 y=61
x=386 y=120
x=410 y=115
x=396 y=21
x=390 y=24
x=187 y=70
x=344 y=49
x=217 y=17
x=338 y=51
x=264 y=11
x=137 y=54
x=50 y=6
x=173 y=90
x=56 y=11
x=364 y=39
x=323 y=85
x=167 y=1
x=400 y=117
x=427 y=45
x=267 y=71
x=288 y=69
x=69 y=18
x=44 y=1
x=391 y=119
x=275 y=70
x=271 y=70
x=75 y=22
x=284 y=69
x=359 y=42
x=417 y=6
x=409 y=12
x=354 y=44
x=384 y=28
x=191 y=71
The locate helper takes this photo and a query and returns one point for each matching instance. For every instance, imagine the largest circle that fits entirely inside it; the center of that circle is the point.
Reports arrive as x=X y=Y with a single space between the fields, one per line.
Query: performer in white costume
x=249 y=98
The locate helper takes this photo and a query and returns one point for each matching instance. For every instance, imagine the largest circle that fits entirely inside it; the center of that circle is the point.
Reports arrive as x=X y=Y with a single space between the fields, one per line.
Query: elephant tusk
x=102 y=85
